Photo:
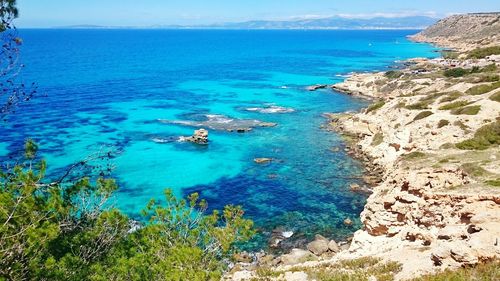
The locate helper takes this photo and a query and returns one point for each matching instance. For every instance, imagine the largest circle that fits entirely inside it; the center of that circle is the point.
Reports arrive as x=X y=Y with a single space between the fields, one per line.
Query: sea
x=137 y=93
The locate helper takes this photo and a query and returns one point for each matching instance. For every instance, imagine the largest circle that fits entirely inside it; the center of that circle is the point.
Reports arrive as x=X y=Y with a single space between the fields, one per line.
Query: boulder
x=333 y=246
x=200 y=137
x=318 y=246
x=297 y=256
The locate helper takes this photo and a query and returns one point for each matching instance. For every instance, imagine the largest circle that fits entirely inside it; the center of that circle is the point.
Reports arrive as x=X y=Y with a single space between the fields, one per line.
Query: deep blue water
x=109 y=88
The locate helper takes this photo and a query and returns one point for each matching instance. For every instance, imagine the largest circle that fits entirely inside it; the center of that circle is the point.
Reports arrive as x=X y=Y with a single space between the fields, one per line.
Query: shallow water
x=112 y=88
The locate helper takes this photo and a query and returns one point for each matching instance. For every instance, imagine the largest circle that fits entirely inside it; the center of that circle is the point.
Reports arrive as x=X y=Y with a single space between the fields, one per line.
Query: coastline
x=431 y=206
x=424 y=216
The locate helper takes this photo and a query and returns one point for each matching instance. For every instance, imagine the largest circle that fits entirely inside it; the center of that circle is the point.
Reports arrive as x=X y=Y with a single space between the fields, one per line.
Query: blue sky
x=49 y=13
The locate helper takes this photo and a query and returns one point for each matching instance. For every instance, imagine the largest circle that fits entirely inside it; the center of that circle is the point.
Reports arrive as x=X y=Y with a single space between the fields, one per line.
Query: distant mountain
x=414 y=22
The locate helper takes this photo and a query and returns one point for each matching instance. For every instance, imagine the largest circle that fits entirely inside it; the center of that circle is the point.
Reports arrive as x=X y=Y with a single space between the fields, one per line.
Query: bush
x=65 y=231
x=422 y=115
x=451 y=97
x=419 y=105
x=413 y=155
x=481 y=53
x=483 y=89
x=378 y=138
x=467 y=110
x=489 y=68
x=455 y=72
x=495 y=182
x=393 y=74
x=454 y=105
x=484 y=138
x=374 y=107
x=495 y=97
x=449 y=55
x=442 y=123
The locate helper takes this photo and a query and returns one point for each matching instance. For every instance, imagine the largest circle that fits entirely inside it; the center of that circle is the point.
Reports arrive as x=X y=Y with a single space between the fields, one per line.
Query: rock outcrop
x=463 y=32
x=199 y=137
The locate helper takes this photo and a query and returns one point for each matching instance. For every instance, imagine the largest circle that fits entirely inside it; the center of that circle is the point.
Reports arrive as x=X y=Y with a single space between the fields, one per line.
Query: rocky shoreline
x=435 y=202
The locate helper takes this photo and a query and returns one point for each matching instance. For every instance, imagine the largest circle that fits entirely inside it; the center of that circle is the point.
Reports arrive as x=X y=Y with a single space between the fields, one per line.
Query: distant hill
x=464 y=31
x=414 y=22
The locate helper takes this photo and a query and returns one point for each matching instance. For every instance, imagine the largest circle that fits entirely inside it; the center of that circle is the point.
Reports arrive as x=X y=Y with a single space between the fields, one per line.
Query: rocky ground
x=430 y=142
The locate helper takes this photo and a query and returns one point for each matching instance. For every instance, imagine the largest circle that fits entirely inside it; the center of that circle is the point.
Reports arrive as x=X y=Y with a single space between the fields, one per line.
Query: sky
x=52 y=13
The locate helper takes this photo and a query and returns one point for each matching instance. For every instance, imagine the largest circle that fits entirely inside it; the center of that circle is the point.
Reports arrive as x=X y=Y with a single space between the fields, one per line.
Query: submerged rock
x=263 y=160
x=270 y=109
x=222 y=123
x=316 y=87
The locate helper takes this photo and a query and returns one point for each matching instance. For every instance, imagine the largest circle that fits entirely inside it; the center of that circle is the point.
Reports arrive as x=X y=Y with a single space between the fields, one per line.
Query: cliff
x=463 y=32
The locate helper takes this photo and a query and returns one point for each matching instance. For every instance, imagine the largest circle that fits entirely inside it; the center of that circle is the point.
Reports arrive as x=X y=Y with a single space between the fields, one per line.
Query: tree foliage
x=69 y=231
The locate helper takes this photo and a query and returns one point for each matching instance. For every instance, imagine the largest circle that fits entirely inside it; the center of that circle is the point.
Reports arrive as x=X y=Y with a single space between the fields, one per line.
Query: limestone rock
x=297 y=256
x=333 y=246
x=200 y=137
x=319 y=246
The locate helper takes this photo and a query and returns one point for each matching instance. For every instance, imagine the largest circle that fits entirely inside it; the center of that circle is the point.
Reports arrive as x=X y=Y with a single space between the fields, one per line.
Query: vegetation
x=488 y=271
x=422 y=115
x=481 y=53
x=451 y=97
x=455 y=72
x=358 y=269
x=393 y=74
x=66 y=231
x=483 y=89
x=374 y=107
x=442 y=123
x=454 y=105
x=495 y=182
x=378 y=138
x=419 y=105
x=413 y=155
x=495 y=97
x=485 y=137
x=467 y=110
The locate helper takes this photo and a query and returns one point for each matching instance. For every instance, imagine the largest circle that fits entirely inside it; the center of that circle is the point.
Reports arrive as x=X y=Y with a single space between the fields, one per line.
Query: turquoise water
x=109 y=89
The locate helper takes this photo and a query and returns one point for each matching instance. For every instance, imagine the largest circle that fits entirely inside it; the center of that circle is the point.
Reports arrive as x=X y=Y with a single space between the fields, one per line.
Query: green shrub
x=451 y=97
x=66 y=230
x=495 y=182
x=393 y=74
x=484 y=138
x=443 y=123
x=378 y=138
x=455 y=72
x=422 y=115
x=495 y=97
x=489 y=68
x=454 y=105
x=419 y=105
x=483 y=89
x=481 y=53
x=488 y=78
x=473 y=169
x=413 y=155
x=374 y=107
x=467 y=110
